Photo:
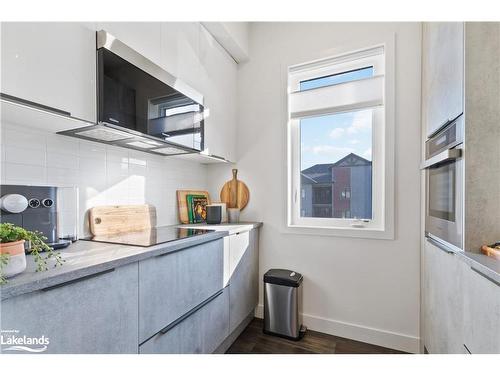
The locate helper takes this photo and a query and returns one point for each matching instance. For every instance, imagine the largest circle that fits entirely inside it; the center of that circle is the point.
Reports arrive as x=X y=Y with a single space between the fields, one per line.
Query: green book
x=196 y=206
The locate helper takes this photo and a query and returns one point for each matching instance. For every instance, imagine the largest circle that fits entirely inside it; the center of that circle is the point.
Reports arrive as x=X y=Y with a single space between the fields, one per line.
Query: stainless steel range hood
x=141 y=106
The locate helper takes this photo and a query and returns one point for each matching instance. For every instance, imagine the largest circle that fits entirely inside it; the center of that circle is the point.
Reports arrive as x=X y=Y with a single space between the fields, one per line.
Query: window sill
x=368 y=233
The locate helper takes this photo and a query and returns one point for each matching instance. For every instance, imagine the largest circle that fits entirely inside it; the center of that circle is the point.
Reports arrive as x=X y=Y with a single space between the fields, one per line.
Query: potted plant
x=12 y=253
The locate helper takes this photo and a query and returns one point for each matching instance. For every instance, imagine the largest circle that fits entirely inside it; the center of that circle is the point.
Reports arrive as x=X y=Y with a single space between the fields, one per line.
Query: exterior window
x=336 y=122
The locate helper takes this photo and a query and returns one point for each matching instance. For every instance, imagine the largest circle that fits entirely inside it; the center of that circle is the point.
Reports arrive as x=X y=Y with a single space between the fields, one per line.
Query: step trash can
x=283 y=304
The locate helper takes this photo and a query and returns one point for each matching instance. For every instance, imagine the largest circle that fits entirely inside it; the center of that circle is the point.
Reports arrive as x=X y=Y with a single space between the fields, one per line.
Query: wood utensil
x=491 y=252
x=182 y=203
x=116 y=219
x=235 y=193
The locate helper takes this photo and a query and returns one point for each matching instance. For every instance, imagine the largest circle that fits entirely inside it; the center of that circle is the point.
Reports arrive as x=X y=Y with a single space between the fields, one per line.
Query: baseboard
x=388 y=339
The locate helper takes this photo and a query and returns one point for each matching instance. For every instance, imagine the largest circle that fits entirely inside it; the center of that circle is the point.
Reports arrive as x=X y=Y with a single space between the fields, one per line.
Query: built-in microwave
x=141 y=106
x=445 y=185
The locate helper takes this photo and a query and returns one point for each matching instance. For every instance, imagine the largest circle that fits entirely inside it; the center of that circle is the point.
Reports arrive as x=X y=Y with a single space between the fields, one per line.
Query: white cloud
x=361 y=121
x=368 y=154
x=331 y=150
x=337 y=133
x=354 y=141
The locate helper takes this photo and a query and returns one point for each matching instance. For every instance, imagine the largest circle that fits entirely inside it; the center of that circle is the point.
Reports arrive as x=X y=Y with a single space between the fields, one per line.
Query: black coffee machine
x=33 y=208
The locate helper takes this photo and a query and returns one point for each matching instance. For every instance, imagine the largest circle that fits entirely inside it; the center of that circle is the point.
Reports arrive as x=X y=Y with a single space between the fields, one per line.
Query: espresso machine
x=33 y=208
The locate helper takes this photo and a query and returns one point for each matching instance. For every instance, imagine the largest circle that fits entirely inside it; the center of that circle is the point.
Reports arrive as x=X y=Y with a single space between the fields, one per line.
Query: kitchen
x=114 y=133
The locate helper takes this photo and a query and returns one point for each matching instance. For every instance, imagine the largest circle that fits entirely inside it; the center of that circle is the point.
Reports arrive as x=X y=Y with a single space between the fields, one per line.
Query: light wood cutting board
x=235 y=193
x=116 y=219
x=182 y=203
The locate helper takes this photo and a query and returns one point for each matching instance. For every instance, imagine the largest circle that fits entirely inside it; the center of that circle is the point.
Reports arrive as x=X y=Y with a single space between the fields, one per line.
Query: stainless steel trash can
x=283 y=304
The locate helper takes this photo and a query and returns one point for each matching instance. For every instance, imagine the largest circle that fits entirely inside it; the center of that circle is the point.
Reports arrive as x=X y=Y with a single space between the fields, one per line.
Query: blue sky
x=329 y=138
x=326 y=139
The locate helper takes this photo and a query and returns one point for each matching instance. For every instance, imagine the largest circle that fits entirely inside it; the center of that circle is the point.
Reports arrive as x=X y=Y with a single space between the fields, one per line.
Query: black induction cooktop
x=150 y=237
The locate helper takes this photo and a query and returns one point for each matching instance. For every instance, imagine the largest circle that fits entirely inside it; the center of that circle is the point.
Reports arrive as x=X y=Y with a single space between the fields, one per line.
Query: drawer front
x=201 y=332
x=173 y=284
x=89 y=316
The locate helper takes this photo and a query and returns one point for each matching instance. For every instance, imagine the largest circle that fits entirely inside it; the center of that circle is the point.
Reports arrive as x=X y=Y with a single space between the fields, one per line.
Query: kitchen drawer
x=201 y=331
x=170 y=285
x=93 y=315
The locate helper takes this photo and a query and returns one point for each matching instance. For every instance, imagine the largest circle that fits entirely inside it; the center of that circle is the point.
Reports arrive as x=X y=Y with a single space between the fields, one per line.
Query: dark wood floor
x=254 y=341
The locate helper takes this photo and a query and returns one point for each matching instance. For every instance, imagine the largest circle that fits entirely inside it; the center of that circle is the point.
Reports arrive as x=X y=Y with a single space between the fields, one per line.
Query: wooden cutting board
x=115 y=219
x=491 y=252
x=182 y=203
x=235 y=193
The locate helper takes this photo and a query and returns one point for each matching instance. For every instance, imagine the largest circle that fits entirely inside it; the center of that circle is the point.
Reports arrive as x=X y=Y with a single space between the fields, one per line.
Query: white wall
x=357 y=288
x=112 y=175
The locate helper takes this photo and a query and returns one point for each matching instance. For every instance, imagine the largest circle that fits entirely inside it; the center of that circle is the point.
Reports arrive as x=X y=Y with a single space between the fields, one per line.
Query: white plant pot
x=17 y=258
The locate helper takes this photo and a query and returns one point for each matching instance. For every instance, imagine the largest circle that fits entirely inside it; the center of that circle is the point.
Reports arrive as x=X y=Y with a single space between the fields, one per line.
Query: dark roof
x=351 y=160
x=319 y=173
x=322 y=173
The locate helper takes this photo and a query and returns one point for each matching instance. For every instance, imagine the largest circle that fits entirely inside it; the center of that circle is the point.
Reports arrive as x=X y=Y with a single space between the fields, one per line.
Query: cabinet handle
x=190 y=312
x=28 y=103
x=77 y=280
x=440 y=246
x=466 y=348
x=484 y=275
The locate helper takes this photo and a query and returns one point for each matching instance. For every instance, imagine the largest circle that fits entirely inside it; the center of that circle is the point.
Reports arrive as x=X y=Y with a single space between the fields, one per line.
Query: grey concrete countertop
x=485 y=265
x=84 y=258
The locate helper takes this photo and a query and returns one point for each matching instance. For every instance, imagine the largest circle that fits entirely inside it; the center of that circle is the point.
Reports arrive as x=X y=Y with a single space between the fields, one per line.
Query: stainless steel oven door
x=444 y=202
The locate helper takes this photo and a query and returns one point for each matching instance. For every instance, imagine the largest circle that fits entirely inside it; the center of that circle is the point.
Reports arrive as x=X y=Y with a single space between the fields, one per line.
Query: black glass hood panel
x=131 y=99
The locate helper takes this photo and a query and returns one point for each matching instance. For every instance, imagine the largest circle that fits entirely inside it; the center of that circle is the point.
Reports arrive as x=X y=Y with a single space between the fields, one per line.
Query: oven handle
x=446 y=155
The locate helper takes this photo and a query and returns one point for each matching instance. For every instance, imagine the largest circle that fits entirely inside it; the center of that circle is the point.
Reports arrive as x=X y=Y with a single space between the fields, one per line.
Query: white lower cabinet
x=244 y=280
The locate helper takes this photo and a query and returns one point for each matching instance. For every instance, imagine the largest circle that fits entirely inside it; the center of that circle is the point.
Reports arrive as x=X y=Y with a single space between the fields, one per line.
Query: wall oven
x=444 y=186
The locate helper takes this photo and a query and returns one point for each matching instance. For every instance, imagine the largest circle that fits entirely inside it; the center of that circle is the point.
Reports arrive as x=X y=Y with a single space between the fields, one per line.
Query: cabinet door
x=442 y=73
x=52 y=64
x=244 y=281
x=218 y=85
x=201 y=332
x=171 y=285
x=482 y=313
x=443 y=301
x=92 y=315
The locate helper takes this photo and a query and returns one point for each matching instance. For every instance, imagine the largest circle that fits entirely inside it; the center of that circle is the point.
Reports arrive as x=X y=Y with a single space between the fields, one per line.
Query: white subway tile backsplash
x=105 y=175
x=24 y=174
x=19 y=136
x=61 y=160
x=93 y=150
x=22 y=155
x=62 y=176
x=116 y=154
x=62 y=145
x=92 y=165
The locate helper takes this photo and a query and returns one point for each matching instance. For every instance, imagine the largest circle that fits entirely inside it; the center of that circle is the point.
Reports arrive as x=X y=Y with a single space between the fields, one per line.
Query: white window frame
x=381 y=226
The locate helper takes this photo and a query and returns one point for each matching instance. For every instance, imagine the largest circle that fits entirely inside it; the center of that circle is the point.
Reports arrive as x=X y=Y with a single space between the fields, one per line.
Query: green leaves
x=11 y=233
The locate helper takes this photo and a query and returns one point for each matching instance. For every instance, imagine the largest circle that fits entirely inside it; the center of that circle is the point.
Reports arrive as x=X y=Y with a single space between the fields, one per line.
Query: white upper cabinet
x=442 y=73
x=51 y=64
x=219 y=85
x=144 y=37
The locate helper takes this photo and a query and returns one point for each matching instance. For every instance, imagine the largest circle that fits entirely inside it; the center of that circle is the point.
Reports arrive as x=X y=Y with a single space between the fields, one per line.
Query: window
x=337 y=146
